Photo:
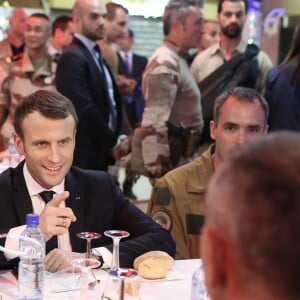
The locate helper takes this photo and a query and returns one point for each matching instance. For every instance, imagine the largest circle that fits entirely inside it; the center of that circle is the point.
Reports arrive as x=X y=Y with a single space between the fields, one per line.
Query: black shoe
x=127 y=190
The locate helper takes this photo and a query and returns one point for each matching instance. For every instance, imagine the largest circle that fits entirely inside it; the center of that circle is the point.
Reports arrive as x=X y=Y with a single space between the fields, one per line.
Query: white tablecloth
x=179 y=289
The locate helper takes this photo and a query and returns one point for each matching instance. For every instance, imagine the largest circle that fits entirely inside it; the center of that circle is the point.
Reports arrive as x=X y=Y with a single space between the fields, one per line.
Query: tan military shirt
x=171 y=94
x=177 y=203
x=212 y=58
x=23 y=80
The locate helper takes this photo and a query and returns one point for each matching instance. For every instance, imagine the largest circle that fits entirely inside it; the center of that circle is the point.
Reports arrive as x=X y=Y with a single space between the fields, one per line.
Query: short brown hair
x=52 y=105
x=242 y=94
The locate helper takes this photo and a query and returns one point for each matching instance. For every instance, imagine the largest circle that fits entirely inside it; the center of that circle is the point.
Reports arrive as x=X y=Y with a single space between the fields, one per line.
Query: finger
x=58 y=264
x=50 y=258
x=64 y=222
x=62 y=212
x=55 y=202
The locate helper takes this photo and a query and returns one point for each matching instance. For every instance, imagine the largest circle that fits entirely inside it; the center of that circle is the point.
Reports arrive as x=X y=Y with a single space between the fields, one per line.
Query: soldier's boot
x=127 y=189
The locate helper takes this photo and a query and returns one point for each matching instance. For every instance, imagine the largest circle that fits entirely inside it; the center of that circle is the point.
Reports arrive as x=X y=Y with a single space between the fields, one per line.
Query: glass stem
x=88 y=248
x=115 y=262
x=122 y=289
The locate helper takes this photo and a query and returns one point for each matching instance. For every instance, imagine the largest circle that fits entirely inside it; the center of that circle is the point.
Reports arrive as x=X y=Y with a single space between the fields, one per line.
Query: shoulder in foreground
x=88 y=174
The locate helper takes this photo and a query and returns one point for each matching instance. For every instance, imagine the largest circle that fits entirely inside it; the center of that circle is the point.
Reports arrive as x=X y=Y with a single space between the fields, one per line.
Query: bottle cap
x=32 y=219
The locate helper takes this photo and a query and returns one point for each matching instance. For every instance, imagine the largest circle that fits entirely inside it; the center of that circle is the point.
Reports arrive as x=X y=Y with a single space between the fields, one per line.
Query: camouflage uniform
x=5 y=58
x=177 y=203
x=171 y=94
x=23 y=80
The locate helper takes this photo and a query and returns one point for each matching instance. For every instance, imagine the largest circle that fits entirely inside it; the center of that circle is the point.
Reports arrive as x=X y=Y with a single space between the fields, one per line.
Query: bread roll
x=153 y=264
x=169 y=261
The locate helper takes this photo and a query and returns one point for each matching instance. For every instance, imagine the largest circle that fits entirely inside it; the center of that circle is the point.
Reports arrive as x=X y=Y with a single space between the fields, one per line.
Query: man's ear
x=177 y=25
x=213 y=129
x=19 y=144
x=214 y=254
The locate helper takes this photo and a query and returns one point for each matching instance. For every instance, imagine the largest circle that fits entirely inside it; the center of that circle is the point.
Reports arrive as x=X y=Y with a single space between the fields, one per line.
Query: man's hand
x=57 y=260
x=55 y=220
x=126 y=85
x=122 y=149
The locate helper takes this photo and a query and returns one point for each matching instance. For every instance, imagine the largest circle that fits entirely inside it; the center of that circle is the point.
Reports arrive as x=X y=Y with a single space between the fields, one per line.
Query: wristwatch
x=98 y=256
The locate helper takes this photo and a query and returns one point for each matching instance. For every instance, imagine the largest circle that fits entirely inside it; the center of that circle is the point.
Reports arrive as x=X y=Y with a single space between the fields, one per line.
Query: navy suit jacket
x=98 y=205
x=79 y=79
x=138 y=66
x=283 y=97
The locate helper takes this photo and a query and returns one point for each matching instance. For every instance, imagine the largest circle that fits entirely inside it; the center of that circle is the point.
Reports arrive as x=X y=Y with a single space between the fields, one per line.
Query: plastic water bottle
x=32 y=262
x=198 y=285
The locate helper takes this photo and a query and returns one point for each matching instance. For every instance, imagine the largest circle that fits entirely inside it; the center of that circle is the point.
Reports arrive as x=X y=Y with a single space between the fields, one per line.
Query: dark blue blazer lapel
x=101 y=86
x=21 y=197
x=122 y=68
x=75 y=203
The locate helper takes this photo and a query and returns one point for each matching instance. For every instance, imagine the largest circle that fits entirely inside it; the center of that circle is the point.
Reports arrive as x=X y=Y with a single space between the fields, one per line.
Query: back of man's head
x=253 y=209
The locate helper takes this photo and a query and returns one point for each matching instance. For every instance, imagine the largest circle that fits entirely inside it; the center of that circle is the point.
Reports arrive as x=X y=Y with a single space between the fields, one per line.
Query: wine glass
x=115 y=271
x=122 y=273
x=116 y=236
x=89 y=236
x=87 y=284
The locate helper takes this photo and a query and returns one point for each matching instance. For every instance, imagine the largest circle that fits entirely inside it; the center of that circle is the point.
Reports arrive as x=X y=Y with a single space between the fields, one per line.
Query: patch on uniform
x=162 y=196
x=194 y=223
x=163 y=218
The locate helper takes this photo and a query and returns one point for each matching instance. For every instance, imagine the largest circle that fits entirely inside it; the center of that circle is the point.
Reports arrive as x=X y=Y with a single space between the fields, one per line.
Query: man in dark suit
x=132 y=66
x=84 y=200
x=86 y=80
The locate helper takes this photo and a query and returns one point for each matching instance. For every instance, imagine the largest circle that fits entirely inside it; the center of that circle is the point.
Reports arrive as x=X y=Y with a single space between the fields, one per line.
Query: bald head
x=17 y=21
x=89 y=18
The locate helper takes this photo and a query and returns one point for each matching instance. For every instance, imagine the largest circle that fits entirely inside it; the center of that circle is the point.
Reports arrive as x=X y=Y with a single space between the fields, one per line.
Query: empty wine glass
x=116 y=236
x=122 y=273
x=87 y=285
x=88 y=236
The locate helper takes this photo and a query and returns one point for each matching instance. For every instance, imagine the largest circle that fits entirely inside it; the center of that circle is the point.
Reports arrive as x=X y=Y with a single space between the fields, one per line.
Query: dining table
x=60 y=286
